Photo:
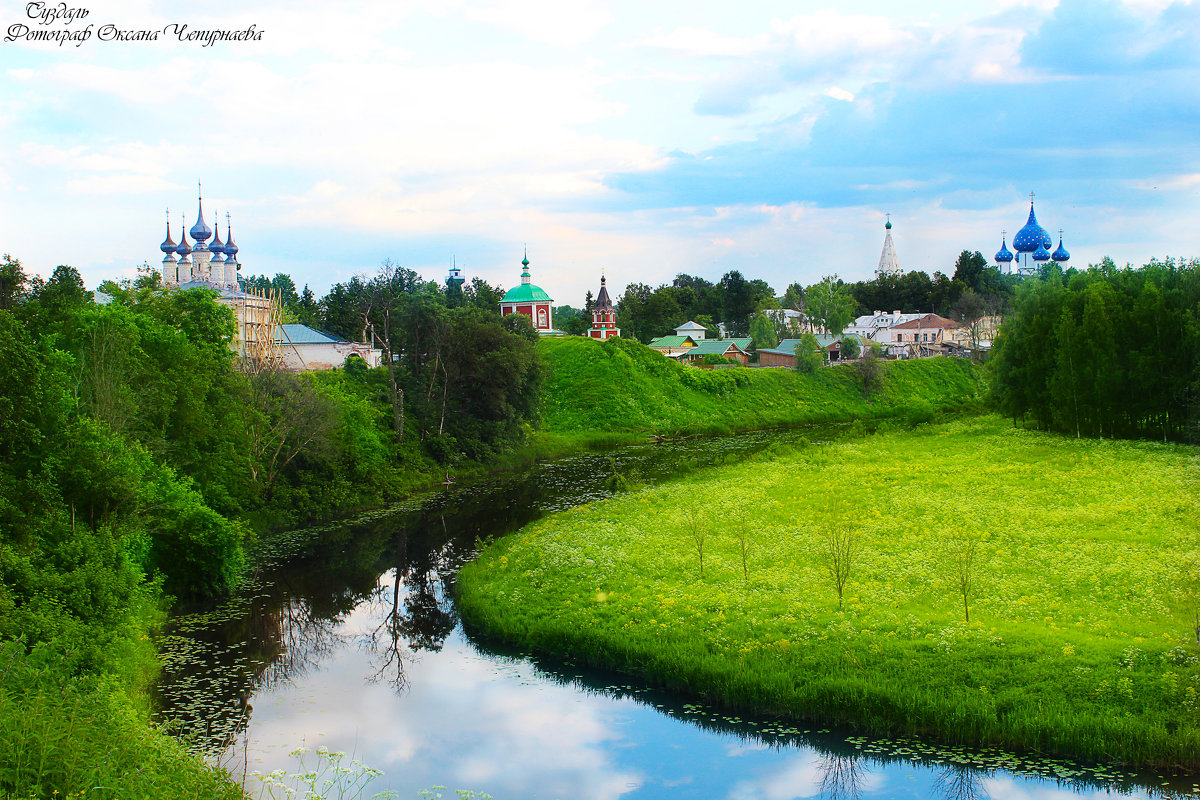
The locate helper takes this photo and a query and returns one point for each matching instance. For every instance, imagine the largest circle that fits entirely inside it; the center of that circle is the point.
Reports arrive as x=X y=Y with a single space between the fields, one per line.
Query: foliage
x=762 y=330
x=851 y=348
x=644 y=312
x=1110 y=353
x=829 y=304
x=809 y=356
x=1080 y=640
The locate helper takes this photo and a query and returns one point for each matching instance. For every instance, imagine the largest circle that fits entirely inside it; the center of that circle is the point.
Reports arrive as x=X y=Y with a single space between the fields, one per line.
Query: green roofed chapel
x=532 y=301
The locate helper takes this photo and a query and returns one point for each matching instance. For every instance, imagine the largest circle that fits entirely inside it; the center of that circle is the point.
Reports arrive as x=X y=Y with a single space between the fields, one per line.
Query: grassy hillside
x=621 y=385
x=1080 y=560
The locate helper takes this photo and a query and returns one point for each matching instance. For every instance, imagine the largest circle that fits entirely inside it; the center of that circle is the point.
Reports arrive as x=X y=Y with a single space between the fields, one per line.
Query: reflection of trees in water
x=305 y=640
x=842 y=776
x=961 y=782
x=416 y=611
x=293 y=615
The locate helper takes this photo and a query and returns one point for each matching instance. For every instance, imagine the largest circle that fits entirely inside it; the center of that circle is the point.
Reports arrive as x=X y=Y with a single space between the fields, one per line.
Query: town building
x=692 y=329
x=733 y=349
x=673 y=346
x=304 y=349
x=784 y=353
x=604 y=316
x=532 y=301
x=876 y=325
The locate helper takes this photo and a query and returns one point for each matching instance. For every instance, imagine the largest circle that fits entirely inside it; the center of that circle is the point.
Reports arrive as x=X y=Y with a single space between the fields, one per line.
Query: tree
x=964 y=551
x=870 y=370
x=740 y=302
x=837 y=556
x=697 y=529
x=830 y=305
x=809 y=357
x=793 y=298
x=12 y=283
x=851 y=348
x=294 y=418
x=481 y=294
x=762 y=330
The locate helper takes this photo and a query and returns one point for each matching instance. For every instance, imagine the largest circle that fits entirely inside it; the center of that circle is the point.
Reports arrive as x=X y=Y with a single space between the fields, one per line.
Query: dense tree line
x=1105 y=352
x=644 y=313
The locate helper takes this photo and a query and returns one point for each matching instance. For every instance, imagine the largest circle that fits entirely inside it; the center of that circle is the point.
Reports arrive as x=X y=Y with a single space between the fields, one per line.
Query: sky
x=644 y=139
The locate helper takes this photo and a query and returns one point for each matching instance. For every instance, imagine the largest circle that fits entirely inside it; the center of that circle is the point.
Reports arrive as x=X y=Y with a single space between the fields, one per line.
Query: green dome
x=526 y=293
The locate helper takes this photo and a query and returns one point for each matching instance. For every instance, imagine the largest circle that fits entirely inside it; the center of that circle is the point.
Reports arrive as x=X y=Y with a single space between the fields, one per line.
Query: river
x=347 y=639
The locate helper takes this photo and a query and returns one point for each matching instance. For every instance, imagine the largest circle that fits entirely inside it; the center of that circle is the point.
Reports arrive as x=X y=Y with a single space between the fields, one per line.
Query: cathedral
x=1032 y=243
x=214 y=265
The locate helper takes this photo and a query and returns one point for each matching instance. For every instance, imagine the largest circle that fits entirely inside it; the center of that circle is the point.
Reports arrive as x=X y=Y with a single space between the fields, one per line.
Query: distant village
x=265 y=335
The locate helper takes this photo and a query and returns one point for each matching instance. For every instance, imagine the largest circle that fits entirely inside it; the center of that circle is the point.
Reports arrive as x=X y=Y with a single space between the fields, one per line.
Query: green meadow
x=1075 y=559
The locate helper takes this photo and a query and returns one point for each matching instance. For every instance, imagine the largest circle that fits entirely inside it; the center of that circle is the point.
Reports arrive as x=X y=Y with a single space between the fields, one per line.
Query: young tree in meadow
x=838 y=553
x=963 y=563
x=830 y=304
x=739 y=520
x=809 y=357
x=697 y=530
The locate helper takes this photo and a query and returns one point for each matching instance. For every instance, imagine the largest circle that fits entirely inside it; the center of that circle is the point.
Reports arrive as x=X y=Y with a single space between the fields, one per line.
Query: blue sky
x=643 y=138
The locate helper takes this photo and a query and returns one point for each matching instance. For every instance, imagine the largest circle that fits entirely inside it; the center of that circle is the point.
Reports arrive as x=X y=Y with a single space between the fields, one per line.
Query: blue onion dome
x=1061 y=253
x=1004 y=256
x=200 y=231
x=1032 y=236
x=216 y=246
x=231 y=248
x=184 y=248
x=1041 y=254
x=888 y=225
x=168 y=245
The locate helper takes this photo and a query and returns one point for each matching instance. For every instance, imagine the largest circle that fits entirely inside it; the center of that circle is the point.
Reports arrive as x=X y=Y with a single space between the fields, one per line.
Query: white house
x=303 y=348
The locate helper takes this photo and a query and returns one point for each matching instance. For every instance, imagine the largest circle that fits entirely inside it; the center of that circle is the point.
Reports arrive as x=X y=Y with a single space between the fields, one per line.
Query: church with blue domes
x=1032 y=245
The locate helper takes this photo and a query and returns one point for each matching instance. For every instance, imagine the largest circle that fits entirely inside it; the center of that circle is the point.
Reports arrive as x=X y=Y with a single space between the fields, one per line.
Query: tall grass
x=64 y=734
x=1080 y=637
x=621 y=385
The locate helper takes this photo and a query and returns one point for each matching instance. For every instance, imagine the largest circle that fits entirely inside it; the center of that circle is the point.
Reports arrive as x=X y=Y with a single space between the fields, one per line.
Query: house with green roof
x=672 y=346
x=729 y=348
x=784 y=354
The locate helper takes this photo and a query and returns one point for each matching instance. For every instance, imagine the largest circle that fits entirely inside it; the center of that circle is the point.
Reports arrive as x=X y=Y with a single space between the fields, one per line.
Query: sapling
x=963 y=557
x=741 y=529
x=838 y=555
x=697 y=529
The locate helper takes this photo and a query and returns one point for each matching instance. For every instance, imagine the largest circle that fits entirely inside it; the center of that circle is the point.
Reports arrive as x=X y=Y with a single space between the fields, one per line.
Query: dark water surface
x=347 y=640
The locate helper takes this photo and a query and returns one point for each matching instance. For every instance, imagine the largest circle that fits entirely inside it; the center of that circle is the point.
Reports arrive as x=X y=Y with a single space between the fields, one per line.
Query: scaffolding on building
x=259 y=317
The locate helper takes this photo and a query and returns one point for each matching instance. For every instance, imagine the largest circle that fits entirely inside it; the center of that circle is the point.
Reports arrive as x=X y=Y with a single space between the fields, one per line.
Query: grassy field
x=622 y=386
x=1078 y=557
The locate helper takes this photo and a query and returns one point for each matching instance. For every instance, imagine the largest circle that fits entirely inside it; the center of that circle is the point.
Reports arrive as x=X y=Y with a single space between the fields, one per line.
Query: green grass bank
x=620 y=386
x=1083 y=589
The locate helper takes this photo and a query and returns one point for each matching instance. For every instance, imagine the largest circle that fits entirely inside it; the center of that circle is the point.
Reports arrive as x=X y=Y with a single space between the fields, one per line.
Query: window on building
x=542 y=318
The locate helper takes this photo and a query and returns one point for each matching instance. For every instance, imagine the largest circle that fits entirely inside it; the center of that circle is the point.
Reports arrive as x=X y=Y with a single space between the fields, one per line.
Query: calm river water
x=348 y=640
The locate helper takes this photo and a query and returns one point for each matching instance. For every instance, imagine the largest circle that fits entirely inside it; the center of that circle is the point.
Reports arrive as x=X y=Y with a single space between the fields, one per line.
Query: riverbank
x=1079 y=640
x=623 y=386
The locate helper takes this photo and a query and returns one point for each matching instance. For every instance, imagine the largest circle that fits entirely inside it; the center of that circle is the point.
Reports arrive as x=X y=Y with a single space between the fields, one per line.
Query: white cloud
x=695 y=42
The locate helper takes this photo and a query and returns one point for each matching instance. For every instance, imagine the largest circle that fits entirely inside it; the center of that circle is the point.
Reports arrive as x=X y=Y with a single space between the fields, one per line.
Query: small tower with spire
x=604 y=316
x=888 y=263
